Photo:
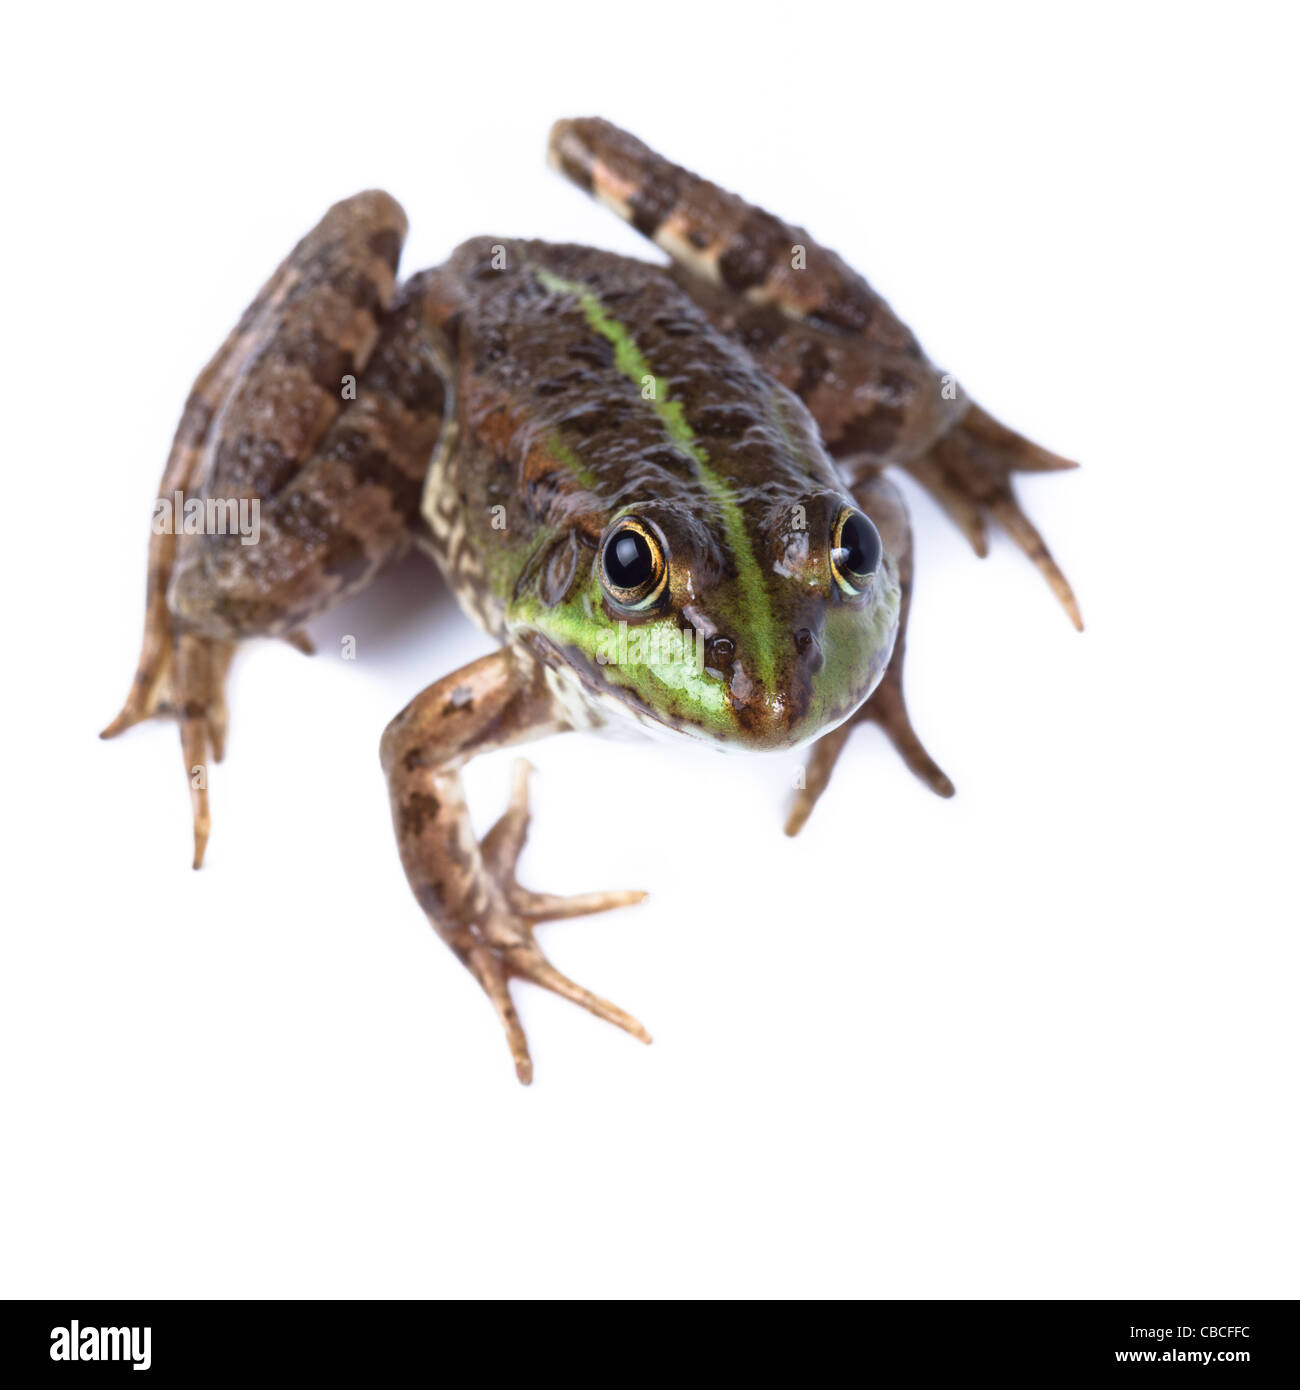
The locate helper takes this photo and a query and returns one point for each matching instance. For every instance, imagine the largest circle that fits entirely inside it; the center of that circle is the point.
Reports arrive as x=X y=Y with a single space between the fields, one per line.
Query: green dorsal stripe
x=574 y=464
x=632 y=364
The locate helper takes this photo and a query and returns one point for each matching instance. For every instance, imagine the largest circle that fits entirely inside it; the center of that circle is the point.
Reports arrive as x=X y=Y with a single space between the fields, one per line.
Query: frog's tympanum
x=662 y=488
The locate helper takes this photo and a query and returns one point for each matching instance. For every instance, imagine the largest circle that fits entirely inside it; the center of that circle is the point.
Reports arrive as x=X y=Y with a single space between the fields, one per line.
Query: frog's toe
x=501 y=848
x=526 y=962
x=131 y=713
x=199 y=676
x=506 y=948
x=186 y=677
x=214 y=696
x=553 y=907
x=486 y=967
x=969 y=471
x=1026 y=535
x=885 y=708
x=149 y=693
x=493 y=966
x=502 y=844
x=505 y=951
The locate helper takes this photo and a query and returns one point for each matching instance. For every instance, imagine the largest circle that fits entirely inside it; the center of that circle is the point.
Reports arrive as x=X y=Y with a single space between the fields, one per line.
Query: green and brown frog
x=662 y=489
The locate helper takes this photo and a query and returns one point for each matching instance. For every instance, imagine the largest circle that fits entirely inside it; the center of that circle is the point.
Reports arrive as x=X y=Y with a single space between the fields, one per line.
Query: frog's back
x=587 y=383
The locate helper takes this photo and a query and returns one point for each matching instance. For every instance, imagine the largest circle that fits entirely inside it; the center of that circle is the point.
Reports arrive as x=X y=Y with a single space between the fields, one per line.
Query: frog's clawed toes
x=199 y=677
x=501 y=848
x=486 y=967
x=150 y=692
x=553 y=907
x=969 y=471
x=506 y=948
x=185 y=677
x=507 y=951
x=525 y=961
x=1025 y=534
x=495 y=967
x=887 y=709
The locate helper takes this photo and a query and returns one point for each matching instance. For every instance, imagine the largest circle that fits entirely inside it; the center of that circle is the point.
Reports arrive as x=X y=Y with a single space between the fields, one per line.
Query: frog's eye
x=855 y=551
x=632 y=565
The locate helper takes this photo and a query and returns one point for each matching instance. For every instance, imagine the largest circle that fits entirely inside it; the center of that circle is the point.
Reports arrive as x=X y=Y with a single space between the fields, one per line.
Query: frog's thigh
x=884 y=504
x=468 y=889
x=721 y=241
x=329 y=514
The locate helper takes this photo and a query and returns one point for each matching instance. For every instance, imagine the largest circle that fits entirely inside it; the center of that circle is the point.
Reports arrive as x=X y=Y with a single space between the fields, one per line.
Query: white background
x=1036 y=1041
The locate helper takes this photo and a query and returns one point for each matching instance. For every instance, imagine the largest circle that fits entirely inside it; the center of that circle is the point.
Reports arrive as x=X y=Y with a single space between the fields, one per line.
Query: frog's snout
x=767 y=692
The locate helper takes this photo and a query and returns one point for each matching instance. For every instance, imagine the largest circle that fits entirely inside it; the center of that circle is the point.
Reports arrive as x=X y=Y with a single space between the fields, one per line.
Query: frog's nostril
x=809 y=648
x=719 y=652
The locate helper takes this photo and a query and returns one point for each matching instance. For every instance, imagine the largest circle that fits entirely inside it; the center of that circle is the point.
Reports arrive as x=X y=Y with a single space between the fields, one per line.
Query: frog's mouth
x=678 y=697
x=721 y=679
x=765 y=717
x=726 y=709
x=794 y=713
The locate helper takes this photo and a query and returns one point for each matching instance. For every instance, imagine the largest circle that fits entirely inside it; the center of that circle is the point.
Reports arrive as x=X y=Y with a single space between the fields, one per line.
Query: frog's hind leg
x=150 y=687
x=305 y=442
x=886 y=707
x=183 y=673
x=819 y=328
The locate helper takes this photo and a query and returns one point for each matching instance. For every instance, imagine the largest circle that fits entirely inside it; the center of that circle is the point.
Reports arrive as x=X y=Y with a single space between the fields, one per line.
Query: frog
x=663 y=488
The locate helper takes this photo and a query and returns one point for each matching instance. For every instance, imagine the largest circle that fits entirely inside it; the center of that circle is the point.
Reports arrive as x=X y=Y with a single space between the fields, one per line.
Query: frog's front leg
x=468 y=888
x=884 y=504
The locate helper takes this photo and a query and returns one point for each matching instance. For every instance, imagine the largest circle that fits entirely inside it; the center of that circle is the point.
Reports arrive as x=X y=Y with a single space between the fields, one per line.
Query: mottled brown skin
x=490 y=389
x=338 y=481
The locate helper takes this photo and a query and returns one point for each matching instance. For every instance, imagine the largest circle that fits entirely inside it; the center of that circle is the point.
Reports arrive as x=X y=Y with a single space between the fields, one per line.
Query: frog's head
x=748 y=621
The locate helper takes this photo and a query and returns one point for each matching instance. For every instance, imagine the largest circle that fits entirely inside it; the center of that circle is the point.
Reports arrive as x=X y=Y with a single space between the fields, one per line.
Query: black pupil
x=628 y=561
x=859 y=545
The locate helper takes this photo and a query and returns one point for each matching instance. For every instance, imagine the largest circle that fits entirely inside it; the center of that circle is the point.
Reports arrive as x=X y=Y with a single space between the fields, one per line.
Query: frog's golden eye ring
x=856 y=551
x=633 y=568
